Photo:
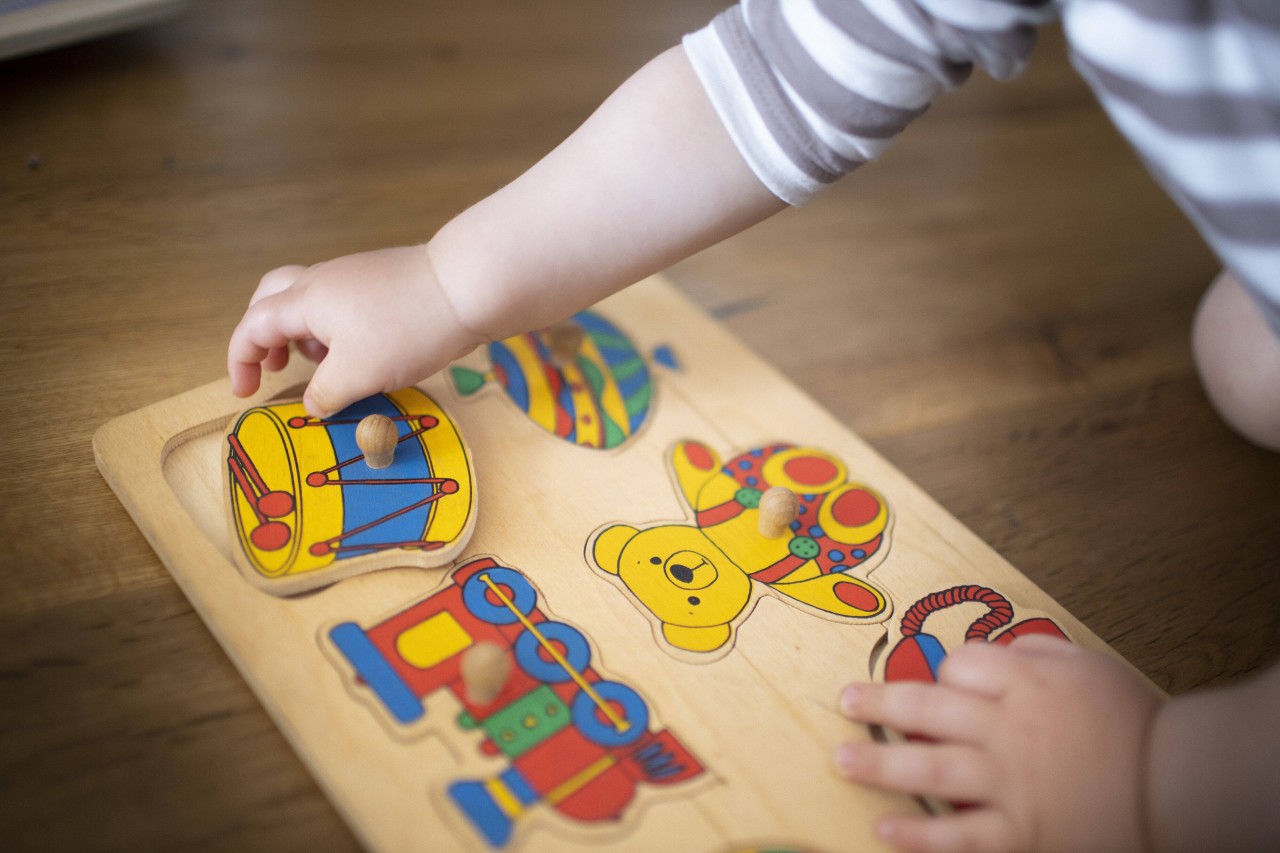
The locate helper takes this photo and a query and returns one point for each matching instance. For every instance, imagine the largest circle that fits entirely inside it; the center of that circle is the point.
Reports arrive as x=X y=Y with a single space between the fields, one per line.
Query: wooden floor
x=1000 y=305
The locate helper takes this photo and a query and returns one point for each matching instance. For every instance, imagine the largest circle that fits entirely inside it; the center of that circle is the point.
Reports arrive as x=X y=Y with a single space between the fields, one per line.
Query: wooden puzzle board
x=760 y=717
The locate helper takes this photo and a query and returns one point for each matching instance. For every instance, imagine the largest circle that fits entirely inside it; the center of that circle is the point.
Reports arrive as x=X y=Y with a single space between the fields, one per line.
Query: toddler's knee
x=1238 y=356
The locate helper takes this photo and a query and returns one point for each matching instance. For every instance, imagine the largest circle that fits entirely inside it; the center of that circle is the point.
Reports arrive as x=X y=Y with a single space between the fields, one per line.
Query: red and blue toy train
x=573 y=740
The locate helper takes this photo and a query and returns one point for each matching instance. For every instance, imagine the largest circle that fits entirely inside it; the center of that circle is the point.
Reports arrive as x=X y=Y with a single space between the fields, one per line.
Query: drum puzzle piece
x=701 y=579
x=600 y=398
x=306 y=510
x=571 y=740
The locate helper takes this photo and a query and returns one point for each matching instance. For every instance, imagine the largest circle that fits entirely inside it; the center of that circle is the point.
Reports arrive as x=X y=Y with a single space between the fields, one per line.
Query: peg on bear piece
x=564 y=341
x=485 y=669
x=377 y=438
x=778 y=508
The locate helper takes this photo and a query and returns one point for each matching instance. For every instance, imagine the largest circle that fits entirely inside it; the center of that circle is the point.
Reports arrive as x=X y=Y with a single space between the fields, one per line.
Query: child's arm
x=1059 y=748
x=650 y=178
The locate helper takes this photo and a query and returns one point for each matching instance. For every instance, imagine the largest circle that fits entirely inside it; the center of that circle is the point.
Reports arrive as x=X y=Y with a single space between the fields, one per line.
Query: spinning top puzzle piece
x=582 y=380
x=388 y=481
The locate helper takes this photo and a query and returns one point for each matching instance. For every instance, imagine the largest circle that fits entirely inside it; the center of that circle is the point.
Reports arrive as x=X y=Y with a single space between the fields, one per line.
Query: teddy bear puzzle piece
x=596 y=394
x=700 y=579
x=573 y=740
x=307 y=509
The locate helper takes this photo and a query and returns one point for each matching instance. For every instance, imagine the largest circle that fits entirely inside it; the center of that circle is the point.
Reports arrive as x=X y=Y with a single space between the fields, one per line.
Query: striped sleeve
x=1195 y=87
x=811 y=89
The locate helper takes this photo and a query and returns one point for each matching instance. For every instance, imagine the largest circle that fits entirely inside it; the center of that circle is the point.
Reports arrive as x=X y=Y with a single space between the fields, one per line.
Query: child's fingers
x=339 y=381
x=919 y=708
x=277 y=359
x=975 y=829
x=945 y=771
x=269 y=324
x=984 y=668
x=312 y=349
x=277 y=280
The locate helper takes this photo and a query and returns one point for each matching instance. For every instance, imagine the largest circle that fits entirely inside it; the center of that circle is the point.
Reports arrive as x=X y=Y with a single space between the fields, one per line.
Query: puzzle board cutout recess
x=757 y=713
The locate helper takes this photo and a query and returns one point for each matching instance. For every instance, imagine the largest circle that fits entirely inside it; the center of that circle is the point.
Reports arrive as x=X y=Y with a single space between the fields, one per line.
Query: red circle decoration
x=855 y=508
x=275 y=504
x=699 y=457
x=317 y=479
x=857 y=596
x=271 y=536
x=449 y=487
x=810 y=470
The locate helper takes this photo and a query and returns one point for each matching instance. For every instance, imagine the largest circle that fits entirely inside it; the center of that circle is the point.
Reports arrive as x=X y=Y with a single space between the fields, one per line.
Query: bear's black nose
x=684 y=574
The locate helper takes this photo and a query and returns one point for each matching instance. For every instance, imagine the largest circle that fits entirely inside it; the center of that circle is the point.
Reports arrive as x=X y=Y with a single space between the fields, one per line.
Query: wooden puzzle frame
x=761 y=717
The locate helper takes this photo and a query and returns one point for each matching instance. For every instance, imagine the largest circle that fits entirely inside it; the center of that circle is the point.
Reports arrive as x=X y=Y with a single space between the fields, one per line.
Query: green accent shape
x=624 y=370
x=466 y=380
x=604 y=339
x=467 y=722
x=613 y=434
x=527 y=721
x=595 y=378
x=804 y=547
x=748 y=497
x=639 y=401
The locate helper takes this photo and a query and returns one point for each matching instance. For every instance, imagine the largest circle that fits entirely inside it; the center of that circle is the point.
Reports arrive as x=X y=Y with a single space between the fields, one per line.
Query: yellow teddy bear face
x=681 y=577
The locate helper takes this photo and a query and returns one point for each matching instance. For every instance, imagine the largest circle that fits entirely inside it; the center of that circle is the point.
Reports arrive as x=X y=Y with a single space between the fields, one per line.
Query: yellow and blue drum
x=306 y=507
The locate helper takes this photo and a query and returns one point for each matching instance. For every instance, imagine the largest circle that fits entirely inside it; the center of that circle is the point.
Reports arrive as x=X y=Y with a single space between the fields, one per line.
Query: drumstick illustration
x=266 y=504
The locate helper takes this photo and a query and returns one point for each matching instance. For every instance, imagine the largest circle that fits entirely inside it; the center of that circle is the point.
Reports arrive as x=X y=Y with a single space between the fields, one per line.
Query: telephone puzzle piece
x=599 y=398
x=701 y=579
x=917 y=655
x=306 y=510
x=572 y=740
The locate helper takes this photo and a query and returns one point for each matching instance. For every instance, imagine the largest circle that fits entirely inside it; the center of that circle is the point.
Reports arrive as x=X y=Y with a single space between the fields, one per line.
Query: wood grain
x=1000 y=305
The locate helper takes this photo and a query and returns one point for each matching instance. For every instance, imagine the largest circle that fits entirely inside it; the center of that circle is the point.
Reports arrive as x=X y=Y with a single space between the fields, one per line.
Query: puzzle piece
x=571 y=739
x=306 y=509
x=583 y=381
x=700 y=579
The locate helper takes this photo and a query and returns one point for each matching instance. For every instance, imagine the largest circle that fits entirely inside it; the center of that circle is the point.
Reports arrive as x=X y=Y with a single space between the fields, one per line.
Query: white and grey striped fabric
x=811 y=89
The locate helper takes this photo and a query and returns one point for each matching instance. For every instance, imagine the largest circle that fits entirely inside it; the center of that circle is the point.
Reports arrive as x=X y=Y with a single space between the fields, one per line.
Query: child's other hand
x=1044 y=741
x=375 y=321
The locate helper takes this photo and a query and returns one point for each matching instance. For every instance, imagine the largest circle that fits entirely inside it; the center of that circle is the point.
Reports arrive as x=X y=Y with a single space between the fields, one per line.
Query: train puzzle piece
x=584 y=382
x=571 y=739
x=701 y=579
x=307 y=508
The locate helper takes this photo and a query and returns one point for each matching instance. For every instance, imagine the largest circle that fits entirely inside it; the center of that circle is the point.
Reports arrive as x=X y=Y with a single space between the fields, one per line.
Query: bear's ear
x=608 y=544
x=706 y=639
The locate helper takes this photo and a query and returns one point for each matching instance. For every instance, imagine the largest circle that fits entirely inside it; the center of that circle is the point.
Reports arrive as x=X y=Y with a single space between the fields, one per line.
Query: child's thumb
x=338 y=382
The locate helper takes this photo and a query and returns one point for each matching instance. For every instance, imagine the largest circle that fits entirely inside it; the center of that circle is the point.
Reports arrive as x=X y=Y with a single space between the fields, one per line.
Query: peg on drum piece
x=377 y=438
x=485 y=670
x=778 y=508
x=564 y=341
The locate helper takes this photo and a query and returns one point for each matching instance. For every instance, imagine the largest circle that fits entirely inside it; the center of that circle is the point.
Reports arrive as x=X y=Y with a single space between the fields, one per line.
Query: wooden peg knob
x=485 y=669
x=377 y=438
x=564 y=340
x=779 y=506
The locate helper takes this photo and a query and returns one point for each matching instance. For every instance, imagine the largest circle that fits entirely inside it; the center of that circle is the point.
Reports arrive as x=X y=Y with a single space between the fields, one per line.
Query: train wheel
x=481 y=600
x=597 y=727
x=540 y=665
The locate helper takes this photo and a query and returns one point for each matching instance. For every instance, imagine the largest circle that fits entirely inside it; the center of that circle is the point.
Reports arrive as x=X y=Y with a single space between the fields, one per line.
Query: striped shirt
x=811 y=89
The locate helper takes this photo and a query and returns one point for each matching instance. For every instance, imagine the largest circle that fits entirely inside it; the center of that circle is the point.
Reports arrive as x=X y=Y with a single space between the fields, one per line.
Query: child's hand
x=1044 y=741
x=376 y=321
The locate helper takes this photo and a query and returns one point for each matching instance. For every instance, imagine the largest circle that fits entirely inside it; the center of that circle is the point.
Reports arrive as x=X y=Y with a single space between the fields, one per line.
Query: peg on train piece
x=778 y=508
x=377 y=438
x=485 y=670
x=564 y=341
